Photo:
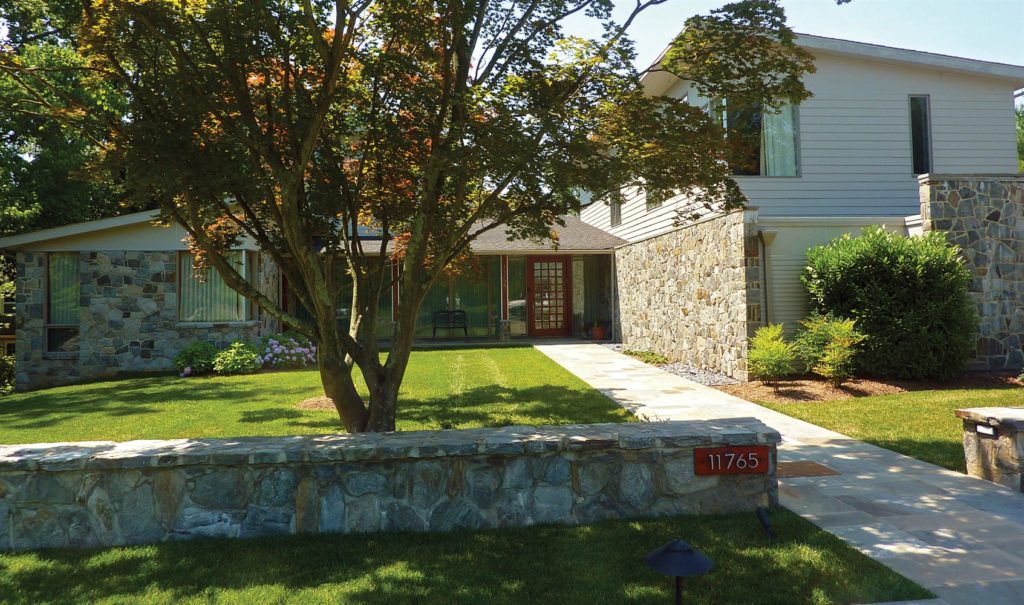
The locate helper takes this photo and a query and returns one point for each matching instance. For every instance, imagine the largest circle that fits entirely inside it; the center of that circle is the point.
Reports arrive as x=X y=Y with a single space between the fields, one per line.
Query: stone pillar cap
x=994 y=416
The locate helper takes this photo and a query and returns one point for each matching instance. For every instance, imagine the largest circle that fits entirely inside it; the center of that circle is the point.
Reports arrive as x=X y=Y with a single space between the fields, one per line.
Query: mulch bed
x=816 y=389
x=316 y=403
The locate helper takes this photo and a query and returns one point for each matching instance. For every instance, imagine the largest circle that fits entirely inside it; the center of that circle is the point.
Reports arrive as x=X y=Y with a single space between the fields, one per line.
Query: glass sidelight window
x=62 y=292
x=921 y=134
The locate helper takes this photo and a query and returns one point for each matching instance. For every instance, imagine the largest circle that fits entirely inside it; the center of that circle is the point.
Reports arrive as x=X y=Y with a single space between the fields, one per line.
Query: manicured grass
x=919 y=424
x=600 y=563
x=458 y=388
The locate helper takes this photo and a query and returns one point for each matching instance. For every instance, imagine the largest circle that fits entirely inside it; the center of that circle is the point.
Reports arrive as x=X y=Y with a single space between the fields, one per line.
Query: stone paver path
x=960 y=537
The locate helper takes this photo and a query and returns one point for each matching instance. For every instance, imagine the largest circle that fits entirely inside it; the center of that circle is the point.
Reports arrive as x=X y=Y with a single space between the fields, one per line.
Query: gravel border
x=704 y=377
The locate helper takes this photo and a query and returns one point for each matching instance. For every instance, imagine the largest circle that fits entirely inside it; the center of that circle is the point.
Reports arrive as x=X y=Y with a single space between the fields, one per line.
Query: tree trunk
x=336 y=376
x=382 y=380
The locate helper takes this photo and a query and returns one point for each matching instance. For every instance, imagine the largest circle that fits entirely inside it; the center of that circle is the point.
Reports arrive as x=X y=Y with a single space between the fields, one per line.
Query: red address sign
x=733 y=460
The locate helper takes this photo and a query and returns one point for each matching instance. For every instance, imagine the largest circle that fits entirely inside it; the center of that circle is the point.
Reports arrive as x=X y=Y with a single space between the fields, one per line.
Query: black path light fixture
x=679 y=559
x=766 y=522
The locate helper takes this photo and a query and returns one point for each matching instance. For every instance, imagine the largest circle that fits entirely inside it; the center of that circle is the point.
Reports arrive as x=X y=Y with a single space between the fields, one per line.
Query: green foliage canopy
x=44 y=176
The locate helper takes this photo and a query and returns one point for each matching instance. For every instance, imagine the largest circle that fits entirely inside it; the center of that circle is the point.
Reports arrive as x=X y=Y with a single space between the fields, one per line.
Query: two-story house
x=906 y=139
x=887 y=133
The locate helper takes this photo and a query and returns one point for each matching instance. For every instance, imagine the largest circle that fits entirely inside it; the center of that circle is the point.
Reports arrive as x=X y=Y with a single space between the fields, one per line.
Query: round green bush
x=239 y=358
x=908 y=295
x=197 y=358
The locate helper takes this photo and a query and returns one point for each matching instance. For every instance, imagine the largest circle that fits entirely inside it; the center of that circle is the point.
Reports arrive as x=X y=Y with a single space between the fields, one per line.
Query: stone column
x=984 y=216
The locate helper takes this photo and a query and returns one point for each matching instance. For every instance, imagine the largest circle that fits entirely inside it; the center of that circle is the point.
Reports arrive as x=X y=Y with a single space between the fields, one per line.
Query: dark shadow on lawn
x=600 y=563
x=549 y=404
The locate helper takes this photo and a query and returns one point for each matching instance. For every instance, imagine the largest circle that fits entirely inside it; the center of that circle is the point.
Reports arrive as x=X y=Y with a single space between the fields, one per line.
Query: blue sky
x=992 y=30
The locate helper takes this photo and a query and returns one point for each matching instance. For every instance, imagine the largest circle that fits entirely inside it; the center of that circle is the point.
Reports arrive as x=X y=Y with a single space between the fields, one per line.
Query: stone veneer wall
x=693 y=294
x=984 y=215
x=128 y=318
x=103 y=493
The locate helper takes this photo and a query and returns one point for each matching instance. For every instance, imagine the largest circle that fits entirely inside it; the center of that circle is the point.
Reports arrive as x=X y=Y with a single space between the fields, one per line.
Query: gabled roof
x=13 y=241
x=575 y=236
x=656 y=82
x=879 y=52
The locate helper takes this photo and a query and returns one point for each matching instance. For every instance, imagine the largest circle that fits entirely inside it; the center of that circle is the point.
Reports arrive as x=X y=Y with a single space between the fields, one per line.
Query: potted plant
x=600 y=329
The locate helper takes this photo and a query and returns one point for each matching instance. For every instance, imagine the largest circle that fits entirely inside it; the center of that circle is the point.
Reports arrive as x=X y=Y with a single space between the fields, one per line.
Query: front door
x=547 y=290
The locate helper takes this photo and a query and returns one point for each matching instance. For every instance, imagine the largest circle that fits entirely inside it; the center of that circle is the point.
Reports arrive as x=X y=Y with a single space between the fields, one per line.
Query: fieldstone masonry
x=984 y=215
x=994 y=444
x=694 y=294
x=105 y=493
x=128 y=317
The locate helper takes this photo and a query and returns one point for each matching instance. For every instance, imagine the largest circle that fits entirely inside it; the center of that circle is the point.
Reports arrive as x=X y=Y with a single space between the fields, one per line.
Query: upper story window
x=614 y=213
x=62 y=306
x=210 y=299
x=921 y=133
x=760 y=142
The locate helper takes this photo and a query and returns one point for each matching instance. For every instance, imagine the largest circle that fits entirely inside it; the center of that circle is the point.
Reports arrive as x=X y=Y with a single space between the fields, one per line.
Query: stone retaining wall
x=128 y=318
x=984 y=215
x=693 y=294
x=105 y=493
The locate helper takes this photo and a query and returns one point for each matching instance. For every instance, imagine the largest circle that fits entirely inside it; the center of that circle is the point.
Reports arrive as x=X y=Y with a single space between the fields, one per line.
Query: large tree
x=300 y=124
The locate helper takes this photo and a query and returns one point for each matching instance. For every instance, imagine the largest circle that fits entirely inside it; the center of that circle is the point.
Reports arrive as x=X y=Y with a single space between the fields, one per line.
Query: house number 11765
x=735 y=460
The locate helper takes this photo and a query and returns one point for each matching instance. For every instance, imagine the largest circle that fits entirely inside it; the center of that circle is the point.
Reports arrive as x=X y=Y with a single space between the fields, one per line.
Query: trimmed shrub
x=195 y=359
x=770 y=357
x=818 y=332
x=908 y=295
x=836 y=363
x=287 y=350
x=6 y=374
x=239 y=358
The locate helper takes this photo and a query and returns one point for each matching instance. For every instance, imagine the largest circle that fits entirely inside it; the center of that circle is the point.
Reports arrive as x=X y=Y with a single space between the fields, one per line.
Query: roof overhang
x=657 y=82
x=889 y=54
x=15 y=241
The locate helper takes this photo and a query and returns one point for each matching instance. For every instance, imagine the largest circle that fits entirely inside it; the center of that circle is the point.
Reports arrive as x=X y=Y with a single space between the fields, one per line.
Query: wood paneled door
x=548 y=283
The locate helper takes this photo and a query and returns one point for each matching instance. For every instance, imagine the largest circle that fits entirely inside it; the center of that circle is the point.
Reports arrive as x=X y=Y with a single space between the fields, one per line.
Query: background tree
x=44 y=181
x=429 y=121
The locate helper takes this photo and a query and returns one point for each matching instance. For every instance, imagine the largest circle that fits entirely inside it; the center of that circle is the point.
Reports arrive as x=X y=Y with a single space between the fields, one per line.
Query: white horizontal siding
x=786 y=257
x=855 y=157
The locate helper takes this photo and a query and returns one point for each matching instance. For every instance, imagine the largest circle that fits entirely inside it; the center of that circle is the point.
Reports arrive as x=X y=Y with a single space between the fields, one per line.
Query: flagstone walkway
x=960 y=537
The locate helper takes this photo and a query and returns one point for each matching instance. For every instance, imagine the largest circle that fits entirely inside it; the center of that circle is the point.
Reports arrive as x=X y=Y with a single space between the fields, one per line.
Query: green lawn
x=919 y=424
x=600 y=563
x=456 y=388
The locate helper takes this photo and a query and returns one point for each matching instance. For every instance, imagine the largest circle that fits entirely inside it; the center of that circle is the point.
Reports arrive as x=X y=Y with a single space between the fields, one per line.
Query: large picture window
x=62 y=291
x=760 y=142
x=210 y=299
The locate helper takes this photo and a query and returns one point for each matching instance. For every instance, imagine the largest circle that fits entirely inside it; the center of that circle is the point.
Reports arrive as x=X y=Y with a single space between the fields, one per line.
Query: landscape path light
x=679 y=559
